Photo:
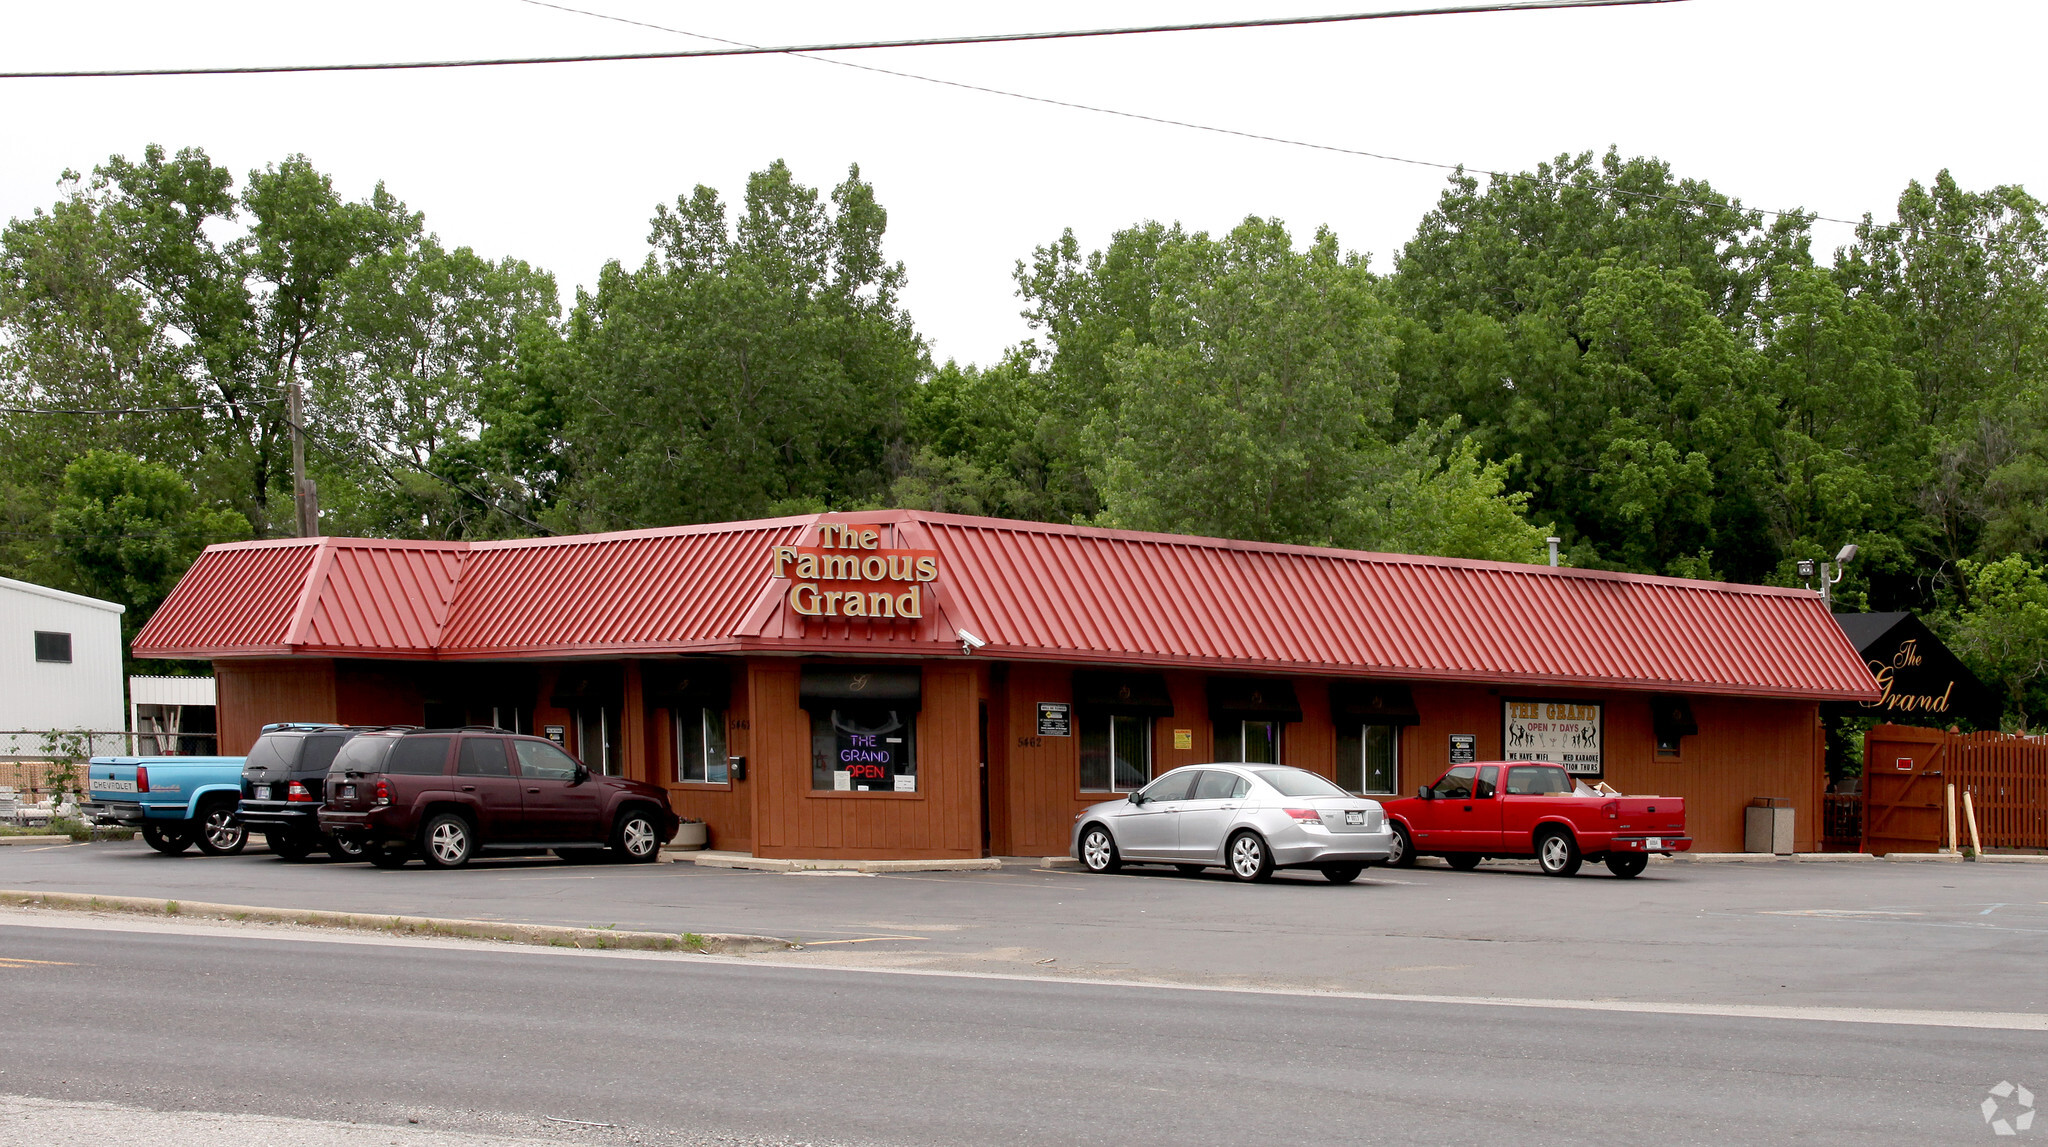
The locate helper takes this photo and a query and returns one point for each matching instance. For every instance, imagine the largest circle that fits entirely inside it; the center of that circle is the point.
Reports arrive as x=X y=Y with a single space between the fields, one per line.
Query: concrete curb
x=1831 y=857
x=5 y=840
x=1057 y=862
x=1924 y=857
x=709 y=859
x=545 y=935
x=1994 y=858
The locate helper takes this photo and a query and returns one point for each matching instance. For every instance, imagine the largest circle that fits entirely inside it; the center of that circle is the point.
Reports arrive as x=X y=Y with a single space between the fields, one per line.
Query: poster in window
x=1560 y=732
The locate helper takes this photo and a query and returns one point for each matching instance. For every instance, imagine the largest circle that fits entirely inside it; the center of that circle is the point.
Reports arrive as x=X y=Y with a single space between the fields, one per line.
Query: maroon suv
x=448 y=794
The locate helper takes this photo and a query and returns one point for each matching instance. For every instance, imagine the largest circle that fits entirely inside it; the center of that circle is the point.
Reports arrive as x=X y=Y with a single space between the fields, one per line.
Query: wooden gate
x=1903 y=777
x=1905 y=771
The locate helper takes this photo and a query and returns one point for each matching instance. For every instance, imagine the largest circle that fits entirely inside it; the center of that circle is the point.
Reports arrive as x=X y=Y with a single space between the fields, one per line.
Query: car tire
x=220 y=833
x=447 y=841
x=636 y=839
x=1557 y=854
x=1463 y=861
x=1342 y=873
x=1401 y=851
x=1190 y=869
x=387 y=856
x=345 y=847
x=170 y=842
x=1627 y=864
x=288 y=846
x=1250 y=860
x=1098 y=850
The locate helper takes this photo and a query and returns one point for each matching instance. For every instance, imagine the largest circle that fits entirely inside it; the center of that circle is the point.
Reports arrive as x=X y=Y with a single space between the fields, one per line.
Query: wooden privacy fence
x=1906 y=772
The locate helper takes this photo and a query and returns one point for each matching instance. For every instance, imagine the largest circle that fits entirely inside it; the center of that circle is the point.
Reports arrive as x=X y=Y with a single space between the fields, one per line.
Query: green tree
x=2001 y=631
x=747 y=366
x=125 y=530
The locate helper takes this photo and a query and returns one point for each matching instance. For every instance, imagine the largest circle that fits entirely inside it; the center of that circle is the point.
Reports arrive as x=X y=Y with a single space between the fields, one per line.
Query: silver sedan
x=1250 y=819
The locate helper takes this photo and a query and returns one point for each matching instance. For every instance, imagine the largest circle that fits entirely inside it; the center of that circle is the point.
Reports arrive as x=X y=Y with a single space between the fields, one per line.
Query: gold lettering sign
x=850 y=575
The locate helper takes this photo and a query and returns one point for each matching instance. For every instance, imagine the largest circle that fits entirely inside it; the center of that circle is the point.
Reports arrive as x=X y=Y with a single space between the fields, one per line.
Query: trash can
x=1767 y=826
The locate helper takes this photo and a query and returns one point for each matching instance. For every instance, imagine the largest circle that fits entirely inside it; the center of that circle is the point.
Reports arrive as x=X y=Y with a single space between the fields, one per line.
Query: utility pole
x=305 y=499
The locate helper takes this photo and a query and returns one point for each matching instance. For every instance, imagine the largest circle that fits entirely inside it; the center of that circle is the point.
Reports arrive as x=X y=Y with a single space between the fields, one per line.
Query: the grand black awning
x=687 y=684
x=827 y=687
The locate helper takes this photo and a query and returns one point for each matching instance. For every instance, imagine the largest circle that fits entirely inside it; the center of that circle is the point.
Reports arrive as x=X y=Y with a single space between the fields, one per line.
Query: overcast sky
x=1830 y=107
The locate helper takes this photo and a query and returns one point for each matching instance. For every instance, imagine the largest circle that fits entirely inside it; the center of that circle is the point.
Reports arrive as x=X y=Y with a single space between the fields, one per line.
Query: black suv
x=284 y=781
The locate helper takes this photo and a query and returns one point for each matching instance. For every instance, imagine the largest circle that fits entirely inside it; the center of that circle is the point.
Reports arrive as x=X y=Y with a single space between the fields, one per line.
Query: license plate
x=348 y=790
x=1653 y=842
x=263 y=792
x=1354 y=818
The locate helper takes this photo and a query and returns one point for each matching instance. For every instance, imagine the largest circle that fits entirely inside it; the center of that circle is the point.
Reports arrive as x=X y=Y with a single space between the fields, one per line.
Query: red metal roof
x=1029 y=590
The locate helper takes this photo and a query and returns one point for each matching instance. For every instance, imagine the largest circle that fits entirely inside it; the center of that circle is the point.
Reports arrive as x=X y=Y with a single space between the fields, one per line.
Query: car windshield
x=1295 y=783
x=279 y=751
x=364 y=754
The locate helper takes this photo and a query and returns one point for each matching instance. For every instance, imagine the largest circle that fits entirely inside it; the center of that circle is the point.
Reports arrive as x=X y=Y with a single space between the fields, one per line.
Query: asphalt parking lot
x=1939 y=936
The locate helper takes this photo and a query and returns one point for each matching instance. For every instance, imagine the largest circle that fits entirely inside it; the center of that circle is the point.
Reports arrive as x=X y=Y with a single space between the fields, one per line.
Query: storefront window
x=864 y=748
x=597 y=739
x=1116 y=752
x=700 y=746
x=1369 y=759
x=1253 y=742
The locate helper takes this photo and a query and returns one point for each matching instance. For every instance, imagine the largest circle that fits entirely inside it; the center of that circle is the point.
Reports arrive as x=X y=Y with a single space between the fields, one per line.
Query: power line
x=130 y=409
x=848 y=46
x=1235 y=132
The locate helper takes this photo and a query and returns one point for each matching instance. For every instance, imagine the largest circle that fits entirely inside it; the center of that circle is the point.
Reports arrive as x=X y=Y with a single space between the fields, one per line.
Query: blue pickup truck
x=176 y=801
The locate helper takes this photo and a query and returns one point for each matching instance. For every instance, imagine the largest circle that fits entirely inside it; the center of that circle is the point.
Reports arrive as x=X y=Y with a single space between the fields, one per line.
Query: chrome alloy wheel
x=1556 y=851
x=1098 y=852
x=636 y=837
x=221 y=830
x=449 y=842
x=1247 y=856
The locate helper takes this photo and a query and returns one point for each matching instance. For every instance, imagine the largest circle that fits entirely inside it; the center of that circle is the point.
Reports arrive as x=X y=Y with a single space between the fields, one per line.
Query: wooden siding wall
x=942 y=820
x=367 y=693
x=252 y=694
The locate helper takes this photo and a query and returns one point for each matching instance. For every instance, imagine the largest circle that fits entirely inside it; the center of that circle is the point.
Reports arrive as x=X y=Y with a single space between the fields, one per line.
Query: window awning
x=1253 y=699
x=687 y=684
x=839 y=686
x=588 y=686
x=1671 y=718
x=1122 y=694
x=1372 y=703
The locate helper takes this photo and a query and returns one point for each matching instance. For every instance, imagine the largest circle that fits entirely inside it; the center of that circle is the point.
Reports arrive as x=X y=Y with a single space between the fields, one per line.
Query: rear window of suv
x=275 y=751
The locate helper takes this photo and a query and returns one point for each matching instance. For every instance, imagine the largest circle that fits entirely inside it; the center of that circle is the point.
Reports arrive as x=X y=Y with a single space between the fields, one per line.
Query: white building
x=60 y=671
x=171 y=715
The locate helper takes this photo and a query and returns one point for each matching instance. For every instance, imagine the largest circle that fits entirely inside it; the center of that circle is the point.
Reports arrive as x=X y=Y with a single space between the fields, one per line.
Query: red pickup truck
x=1515 y=808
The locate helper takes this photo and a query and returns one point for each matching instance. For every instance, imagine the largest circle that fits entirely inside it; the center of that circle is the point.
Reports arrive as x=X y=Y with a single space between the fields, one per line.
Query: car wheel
x=346 y=848
x=170 y=842
x=1557 y=854
x=1190 y=869
x=1250 y=859
x=447 y=841
x=386 y=855
x=1098 y=850
x=1342 y=873
x=636 y=840
x=220 y=833
x=1401 y=850
x=1627 y=864
x=288 y=845
x=1463 y=861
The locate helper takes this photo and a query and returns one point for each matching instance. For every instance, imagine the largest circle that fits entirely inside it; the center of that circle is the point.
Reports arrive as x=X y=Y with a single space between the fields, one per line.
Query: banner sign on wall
x=1559 y=732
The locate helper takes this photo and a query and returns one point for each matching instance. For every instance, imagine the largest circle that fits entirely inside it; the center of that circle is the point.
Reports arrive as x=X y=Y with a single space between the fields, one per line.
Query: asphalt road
x=691 y=1049
x=1947 y=936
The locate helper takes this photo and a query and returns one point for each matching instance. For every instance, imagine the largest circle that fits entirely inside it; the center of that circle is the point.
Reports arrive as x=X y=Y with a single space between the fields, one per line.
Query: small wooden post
x=1970 y=815
x=1951 y=807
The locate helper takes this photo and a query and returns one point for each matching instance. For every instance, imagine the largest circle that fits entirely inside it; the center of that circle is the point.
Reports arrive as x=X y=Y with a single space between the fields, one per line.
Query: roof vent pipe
x=1553 y=550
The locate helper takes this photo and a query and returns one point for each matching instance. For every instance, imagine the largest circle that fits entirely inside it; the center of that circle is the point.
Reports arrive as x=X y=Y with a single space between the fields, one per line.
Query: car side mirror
x=1136 y=798
x=582 y=774
x=1425 y=793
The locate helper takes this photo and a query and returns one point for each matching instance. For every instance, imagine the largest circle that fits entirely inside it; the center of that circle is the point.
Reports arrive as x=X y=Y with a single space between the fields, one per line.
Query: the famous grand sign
x=849 y=574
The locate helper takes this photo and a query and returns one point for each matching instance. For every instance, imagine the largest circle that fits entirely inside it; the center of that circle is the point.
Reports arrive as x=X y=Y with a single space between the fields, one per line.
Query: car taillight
x=1306 y=815
x=1612 y=809
x=142 y=778
x=382 y=793
x=297 y=791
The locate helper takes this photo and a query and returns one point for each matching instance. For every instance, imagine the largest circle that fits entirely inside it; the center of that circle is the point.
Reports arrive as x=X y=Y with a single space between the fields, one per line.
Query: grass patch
x=694 y=942
x=171 y=908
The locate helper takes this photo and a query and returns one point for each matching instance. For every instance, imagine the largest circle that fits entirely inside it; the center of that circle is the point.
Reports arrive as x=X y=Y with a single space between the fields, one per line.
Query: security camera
x=1847 y=554
x=969 y=643
x=1806 y=569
